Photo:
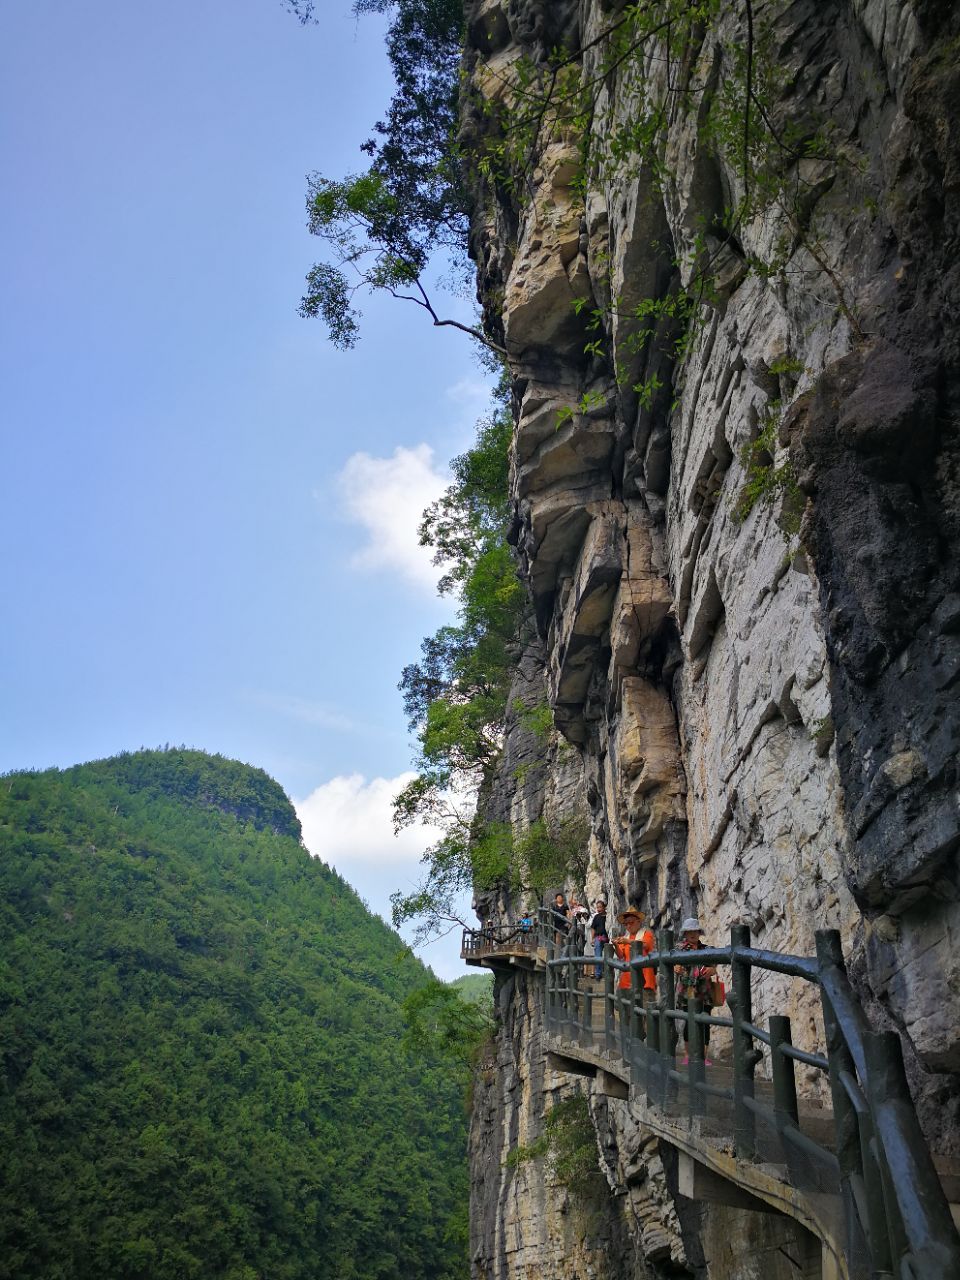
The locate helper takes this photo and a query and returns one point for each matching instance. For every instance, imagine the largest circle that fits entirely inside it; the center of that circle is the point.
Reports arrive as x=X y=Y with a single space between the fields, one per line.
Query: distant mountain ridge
x=201 y=1072
x=246 y=792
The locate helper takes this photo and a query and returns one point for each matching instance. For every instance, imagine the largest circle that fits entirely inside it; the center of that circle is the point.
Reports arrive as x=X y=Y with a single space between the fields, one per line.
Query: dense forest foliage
x=204 y=1071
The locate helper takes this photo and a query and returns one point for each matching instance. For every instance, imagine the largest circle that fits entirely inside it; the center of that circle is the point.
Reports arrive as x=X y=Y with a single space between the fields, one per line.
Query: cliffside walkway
x=858 y=1174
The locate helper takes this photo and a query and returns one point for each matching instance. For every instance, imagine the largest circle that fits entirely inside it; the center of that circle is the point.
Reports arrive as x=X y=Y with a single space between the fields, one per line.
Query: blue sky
x=208 y=513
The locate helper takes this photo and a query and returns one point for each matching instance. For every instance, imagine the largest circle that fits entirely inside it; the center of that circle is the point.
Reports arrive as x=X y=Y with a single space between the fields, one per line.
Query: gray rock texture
x=758 y=711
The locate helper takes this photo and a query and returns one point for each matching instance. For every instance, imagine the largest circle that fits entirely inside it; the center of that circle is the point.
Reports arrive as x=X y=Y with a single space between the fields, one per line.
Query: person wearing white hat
x=694 y=981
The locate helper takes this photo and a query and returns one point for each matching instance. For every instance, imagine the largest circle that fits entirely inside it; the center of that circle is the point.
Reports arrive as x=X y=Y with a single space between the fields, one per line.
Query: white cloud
x=387 y=496
x=348 y=822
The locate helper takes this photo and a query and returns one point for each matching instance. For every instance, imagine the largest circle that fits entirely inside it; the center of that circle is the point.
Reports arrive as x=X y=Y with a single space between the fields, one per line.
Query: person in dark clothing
x=598 y=927
x=560 y=917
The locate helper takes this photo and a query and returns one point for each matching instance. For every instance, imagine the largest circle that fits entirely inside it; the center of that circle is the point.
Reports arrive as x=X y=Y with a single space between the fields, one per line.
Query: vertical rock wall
x=758 y=711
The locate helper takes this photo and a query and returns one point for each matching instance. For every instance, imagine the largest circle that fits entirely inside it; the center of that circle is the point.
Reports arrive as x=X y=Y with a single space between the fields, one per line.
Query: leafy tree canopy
x=457 y=702
x=382 y=225
x=456 y=697
x=447 y=1024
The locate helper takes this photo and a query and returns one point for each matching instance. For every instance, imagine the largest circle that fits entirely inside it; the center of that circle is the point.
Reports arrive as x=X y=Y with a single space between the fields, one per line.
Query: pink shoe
x=708 y=1062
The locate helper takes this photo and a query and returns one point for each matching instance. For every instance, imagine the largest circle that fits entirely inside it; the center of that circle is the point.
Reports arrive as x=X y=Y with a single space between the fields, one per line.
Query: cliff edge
x=719 y=245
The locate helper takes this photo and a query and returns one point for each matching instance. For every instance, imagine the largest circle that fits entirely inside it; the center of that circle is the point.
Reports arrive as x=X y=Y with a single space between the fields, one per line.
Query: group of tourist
x=568 y=915
x=694 y=982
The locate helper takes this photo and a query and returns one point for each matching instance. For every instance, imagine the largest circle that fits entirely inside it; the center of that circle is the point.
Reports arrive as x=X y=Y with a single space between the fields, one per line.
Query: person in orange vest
x=633 y=942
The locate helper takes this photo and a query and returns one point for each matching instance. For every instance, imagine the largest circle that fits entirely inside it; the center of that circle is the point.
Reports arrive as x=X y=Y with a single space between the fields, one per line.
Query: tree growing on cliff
x=456 y=697
x=716 y=59
x=457 y=700
x=384 y=225
x=445 y=1025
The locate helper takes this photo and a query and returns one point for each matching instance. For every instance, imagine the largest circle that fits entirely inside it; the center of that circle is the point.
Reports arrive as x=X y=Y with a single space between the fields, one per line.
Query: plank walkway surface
x=854 y=1171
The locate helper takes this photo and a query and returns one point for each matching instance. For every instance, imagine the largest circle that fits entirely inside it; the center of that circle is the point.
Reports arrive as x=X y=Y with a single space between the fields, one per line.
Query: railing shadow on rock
x=870 y=1156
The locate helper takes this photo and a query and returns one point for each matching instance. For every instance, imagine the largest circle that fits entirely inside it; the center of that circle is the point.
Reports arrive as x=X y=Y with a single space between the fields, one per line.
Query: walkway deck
x=856 y=1174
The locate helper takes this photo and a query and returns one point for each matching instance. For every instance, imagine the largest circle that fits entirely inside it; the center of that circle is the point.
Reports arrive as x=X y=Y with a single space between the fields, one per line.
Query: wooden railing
x=484 y=943
x=533 y=933
x=876 y=1162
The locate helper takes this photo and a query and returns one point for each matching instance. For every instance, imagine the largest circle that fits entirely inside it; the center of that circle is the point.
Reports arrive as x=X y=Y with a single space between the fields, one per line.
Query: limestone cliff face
x=759 y=713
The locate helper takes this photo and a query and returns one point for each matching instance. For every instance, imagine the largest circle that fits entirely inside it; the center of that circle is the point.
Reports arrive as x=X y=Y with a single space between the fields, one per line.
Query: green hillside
x=202 y=1073
x=475 y=988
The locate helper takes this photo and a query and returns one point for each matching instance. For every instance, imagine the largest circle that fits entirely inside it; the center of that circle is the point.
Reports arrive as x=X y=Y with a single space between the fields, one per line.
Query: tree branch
x=424 y=302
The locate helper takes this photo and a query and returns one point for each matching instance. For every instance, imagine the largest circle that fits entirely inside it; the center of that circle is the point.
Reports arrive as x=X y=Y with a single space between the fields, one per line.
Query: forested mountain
x=475 y=988
x=200 y=1036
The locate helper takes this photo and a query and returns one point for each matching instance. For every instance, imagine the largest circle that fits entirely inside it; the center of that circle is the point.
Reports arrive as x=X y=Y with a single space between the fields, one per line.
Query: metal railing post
x=919 y=1221
x=784 y=1073
x=877 y=1049
x=573 y=998
x=623 y=1004
x=874 y=1192
x=666 y=993
x=695 y=1058
x=609 y=974
x=585 y=999
x=744 y=1057
x=847 y=1138
x=668 y=978
x=636 y=999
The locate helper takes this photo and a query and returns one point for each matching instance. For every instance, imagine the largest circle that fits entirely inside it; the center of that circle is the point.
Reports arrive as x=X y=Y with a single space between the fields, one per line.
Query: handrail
x=809 y=1059
x=496 y=935
x=543 y=930
x=897 y=1216
x=776 y=961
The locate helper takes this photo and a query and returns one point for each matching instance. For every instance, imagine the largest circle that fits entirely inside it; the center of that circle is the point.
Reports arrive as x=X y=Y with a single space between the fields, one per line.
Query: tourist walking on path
x=577 y=917
x=633 y=942
x=560 y=921
x=598 y=927
x=575 y=911
x=695 y=982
